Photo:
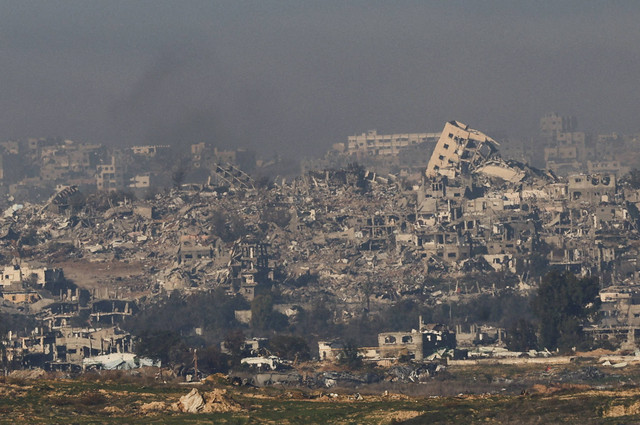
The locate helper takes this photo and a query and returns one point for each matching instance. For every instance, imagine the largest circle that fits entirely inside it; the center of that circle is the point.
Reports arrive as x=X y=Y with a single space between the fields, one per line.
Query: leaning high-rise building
x=459 y=150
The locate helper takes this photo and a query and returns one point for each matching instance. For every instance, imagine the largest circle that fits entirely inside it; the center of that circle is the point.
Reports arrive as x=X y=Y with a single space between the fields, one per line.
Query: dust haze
x=295 y=77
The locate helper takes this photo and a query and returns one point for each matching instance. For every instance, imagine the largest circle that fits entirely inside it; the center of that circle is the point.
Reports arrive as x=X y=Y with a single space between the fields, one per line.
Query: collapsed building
x=65 y=348
x=250 y=266
x=37 y=276
x=358 y=239
x=416 y=344
x=460 y=150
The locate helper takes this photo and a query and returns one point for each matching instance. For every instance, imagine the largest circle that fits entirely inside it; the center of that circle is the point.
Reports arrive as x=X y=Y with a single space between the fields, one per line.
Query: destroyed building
x=355 y=239
x=18 y=273
x=459 y=150
x=416 y=344
x=65 y=348
x=250 y=266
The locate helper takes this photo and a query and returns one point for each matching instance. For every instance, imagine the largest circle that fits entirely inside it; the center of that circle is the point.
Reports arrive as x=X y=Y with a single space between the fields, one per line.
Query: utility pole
x=195 y=362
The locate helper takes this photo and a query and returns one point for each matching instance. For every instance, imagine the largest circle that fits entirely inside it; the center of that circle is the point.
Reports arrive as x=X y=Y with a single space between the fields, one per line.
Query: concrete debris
x=411 y=373
x=192 y=402
x=354 y=238
x=30 y=374
x=212 y=401
x=584 y=374
x=117 y=361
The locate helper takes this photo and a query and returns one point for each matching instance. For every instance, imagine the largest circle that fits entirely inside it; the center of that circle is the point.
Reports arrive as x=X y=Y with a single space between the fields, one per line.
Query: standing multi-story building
x=373 y=144
x=110 y=176
x=552 y=124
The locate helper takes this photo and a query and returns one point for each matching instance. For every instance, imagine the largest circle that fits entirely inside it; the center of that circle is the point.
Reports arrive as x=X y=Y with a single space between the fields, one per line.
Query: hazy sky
x=297 y=76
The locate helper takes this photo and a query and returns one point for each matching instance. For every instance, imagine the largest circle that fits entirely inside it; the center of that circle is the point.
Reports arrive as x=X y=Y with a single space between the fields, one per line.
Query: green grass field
x=121 y=400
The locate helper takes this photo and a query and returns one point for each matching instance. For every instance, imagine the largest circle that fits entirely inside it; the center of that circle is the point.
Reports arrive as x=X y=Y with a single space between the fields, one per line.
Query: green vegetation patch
x=109 y=402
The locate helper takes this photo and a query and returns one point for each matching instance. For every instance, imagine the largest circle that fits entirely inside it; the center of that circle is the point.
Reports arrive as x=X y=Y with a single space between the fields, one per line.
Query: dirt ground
x=127 y=277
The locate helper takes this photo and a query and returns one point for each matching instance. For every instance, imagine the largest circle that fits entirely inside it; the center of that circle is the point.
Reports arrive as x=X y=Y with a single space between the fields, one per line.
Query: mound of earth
x=212 y=401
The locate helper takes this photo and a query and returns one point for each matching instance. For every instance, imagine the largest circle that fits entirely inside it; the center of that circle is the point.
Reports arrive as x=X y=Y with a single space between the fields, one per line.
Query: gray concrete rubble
x=355 y=239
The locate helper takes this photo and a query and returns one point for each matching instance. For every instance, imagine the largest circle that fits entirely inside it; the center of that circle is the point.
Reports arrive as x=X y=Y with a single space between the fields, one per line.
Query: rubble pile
x=399 y=373
x=344 y=229
x=353 y=239
x=584 y=374
x=412 y=373
x=213 y=401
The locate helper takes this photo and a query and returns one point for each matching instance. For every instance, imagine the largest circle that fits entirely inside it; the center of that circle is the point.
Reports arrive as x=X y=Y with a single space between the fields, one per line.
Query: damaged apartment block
x=250 y=266
x=459 y=150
